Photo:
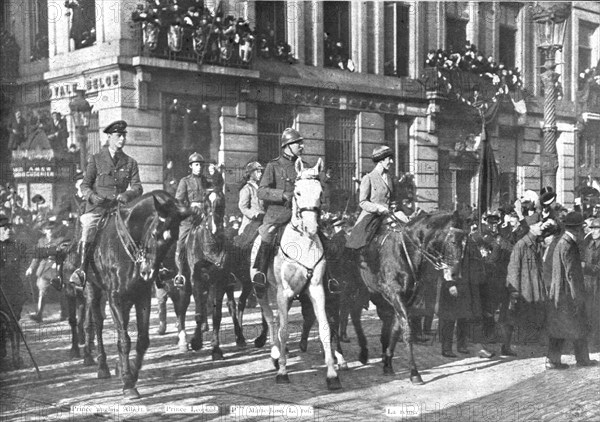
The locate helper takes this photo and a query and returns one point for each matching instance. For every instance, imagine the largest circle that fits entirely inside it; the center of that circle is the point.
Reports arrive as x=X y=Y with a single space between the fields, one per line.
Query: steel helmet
x=290 y=136
x=195 y=158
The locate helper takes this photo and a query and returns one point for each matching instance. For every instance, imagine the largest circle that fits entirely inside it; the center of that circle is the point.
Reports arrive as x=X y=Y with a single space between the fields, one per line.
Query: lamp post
x=550 y=24
x=80 y=112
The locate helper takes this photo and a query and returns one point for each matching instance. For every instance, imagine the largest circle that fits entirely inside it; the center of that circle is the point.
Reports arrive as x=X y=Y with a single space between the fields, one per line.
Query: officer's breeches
x=89 y=226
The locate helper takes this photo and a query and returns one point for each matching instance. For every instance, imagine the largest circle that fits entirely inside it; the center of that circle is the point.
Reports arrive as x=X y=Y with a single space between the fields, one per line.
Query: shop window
x=396 y=47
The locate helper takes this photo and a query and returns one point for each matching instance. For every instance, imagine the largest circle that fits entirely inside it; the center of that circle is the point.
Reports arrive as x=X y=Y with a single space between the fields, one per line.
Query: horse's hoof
x=117 y=370
x=344 y=339
x=196 y=344
x=217 y=354
x=275 y=363
x=303 y=345
x=74 y=353
x=343 y=366
x=103 y=373
x=241 y=343
x=334 y=384
x=282 y=379
x=363 y=357
x=131 y=394
x=162 y=328
x=204 y=327
x=388 y=370
x=260 y=341
x=88 y=361
x=415 y=377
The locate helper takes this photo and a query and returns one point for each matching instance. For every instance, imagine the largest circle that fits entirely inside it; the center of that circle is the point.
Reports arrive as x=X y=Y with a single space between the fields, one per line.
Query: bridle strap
x=131 y=248
x=309 y=271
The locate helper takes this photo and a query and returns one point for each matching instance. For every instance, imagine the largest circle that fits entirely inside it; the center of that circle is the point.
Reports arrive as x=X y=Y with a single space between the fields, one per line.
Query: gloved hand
x=383 y=210
x=96 y=199
x=453 y=291
x=287 y=196
x=123 y=198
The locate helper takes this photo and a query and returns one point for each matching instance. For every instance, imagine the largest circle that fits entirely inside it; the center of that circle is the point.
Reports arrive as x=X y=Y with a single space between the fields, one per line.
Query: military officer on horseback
x=190 y=192
x=276 y=190
x=111 y=177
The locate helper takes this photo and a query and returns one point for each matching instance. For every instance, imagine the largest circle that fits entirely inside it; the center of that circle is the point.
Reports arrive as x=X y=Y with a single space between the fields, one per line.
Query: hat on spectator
x=547 y=195
x=255 y=165
x=574 y=219
x=38 y=199
x=495 y=215
x=120 y=126
x=595 y=224
x=381 y=153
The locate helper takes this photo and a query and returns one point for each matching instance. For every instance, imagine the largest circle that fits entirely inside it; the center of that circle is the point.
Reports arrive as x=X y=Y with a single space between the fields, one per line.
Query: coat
x=591 y=275
x=108 y=178
x=44 y=263
x=565 y=310
x=525 y=270
x=375 y=193
x=249 y=205
x=278 y=178
x=12 y=256
x=190 y=189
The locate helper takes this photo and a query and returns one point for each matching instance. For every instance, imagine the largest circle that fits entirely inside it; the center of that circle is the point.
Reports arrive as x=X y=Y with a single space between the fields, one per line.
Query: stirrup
x=334 y=286
x=259 y=280
x=78 y=278
x=179 y=280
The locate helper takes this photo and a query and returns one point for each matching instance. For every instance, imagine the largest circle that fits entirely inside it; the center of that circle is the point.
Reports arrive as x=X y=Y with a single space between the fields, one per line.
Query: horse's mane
x=427 y=226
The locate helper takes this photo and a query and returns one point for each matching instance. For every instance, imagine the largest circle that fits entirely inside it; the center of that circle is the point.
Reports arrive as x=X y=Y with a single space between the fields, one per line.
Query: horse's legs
x=120 y=314
x=332 y=309
x=317 y=296
x=103 y=371
x=15 y=345
x=181 y=302
x=309 y=318
x=355 y=314
x=246 y=290
x=217 y=315
x=283 y=305
x=200 y=291
x=72 y=307
x=142 y=313
x=240 y=341
x=89 y=324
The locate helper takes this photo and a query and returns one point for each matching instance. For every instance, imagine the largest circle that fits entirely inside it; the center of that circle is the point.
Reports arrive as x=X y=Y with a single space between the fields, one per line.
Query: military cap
x=255 y=165
x=573 y=219
x=493 y=216
x=4 y=221
x=38 y=199
x=120 y=126
x=381 y=153
x=290 y=136
x=195 y=158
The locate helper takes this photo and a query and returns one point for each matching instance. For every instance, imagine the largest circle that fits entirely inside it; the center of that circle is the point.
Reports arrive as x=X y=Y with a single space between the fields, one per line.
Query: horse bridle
x=136 y=254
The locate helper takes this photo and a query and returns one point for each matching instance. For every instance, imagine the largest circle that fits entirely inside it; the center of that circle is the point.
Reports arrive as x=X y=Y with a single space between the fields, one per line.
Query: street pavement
x=189 y=386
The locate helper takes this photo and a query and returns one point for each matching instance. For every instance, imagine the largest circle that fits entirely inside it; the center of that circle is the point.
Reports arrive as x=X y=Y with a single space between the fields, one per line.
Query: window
x=270 y=20
x=396 y=136
x=39 y=30
x=507 y=46
x=272 y=120
x=336 y=27
x=396 y=48
x=340 y=141
x=83 y=22
x=457 y=16
x=585 y=49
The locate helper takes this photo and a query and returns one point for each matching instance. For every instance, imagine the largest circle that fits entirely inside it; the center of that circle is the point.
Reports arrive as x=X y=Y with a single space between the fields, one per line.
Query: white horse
x=299 y=262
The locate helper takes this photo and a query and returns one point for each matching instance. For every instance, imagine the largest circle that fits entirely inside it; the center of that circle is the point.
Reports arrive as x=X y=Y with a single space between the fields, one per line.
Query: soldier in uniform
x=43 y=266
x=190 y=192
x=111 y=176
x=276 y=189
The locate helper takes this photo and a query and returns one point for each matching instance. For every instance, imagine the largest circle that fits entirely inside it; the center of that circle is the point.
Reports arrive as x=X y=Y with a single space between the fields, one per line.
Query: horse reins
x=131 y=248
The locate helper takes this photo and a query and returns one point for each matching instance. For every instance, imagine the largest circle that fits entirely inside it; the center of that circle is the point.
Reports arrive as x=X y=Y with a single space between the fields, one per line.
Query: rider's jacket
x=279 y=177
x=190 y=189
x=108 y=177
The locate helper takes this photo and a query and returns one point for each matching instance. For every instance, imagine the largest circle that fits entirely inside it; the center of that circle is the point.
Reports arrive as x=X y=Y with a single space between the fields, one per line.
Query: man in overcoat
x=591 y=276
x=565 y=311
x=276 y=190
x=525 y=284
x=111 y=176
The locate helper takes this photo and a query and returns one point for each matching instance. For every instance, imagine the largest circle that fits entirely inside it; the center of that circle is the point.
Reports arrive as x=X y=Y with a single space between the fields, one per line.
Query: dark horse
x=207 y=275
x=400 y=267
x=129 y=250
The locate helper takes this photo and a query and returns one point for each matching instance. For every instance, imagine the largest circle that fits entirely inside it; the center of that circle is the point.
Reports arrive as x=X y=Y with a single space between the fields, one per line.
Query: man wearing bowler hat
x=566 y=317
x=111 y=176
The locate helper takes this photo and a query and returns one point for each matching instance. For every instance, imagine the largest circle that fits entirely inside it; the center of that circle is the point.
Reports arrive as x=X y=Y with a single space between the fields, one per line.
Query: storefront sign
x=92 y=84
x=32 y=172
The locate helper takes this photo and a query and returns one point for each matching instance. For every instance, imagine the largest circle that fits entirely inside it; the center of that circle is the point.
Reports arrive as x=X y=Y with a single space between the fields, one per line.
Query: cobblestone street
x=171 y=382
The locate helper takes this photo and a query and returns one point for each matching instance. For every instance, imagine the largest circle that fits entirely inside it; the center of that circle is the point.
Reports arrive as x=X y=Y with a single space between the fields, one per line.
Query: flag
x=488 y=175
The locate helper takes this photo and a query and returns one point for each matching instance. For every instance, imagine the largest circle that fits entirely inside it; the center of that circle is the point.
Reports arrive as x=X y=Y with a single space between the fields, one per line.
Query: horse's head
x=161 y=232
x=443 y=241
x=214 y=209
x=307 y=197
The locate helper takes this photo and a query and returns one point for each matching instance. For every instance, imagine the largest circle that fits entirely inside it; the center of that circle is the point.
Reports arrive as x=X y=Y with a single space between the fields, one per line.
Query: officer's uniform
x=106 y=177
x=191 y=189
x=12 y=256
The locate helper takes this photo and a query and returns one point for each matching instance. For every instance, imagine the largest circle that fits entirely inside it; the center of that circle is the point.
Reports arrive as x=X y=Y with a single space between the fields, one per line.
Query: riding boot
x=179 y=279
x=262 y=265
x=78 y=278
